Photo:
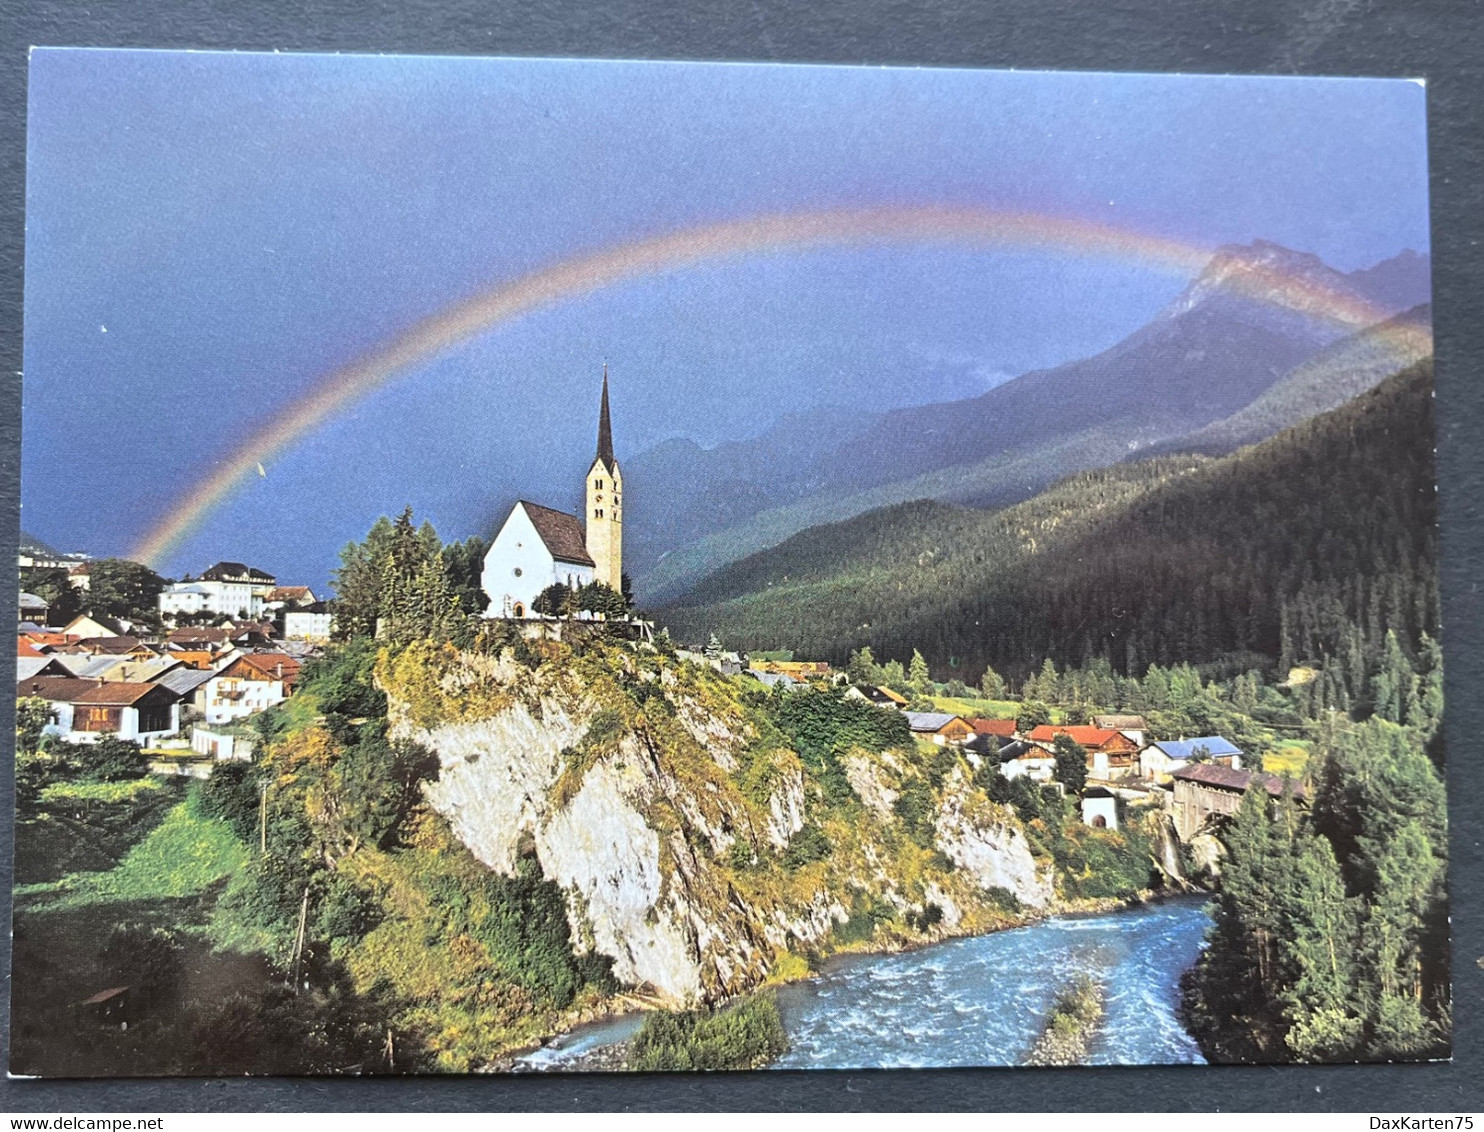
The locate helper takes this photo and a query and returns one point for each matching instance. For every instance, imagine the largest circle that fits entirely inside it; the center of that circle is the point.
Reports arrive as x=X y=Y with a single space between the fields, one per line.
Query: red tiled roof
x=562 y=533
x=23 y=647
x=1087 y=736
x=1005 y=728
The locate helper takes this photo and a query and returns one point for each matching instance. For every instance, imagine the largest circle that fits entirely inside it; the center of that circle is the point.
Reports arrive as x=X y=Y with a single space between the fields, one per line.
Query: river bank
x=968 y=1001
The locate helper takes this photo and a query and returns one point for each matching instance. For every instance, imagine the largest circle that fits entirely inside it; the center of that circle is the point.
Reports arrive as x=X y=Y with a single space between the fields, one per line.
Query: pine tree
x=992 y=685
x=863 y=668
x=1320 y=1000
x=1071 y=763
x=918 y=675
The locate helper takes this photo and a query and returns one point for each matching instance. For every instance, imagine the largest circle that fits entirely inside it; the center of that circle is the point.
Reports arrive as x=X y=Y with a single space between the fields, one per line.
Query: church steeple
x=605 y=427
x=605 y=503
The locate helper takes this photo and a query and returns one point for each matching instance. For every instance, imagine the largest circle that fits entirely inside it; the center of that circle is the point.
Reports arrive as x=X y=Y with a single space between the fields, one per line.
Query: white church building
x=538 y=546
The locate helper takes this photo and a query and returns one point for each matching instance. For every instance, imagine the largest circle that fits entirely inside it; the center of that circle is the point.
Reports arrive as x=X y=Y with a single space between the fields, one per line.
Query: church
x=539 y=546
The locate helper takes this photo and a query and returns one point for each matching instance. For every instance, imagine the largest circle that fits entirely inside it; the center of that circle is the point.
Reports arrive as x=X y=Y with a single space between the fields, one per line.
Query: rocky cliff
x=695 y=846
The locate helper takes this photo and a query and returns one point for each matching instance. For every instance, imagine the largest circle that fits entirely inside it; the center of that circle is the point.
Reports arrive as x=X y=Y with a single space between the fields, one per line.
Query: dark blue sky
x=243 y=224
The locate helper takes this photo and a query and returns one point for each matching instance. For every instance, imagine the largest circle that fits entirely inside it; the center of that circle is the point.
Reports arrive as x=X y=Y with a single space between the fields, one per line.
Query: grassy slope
x=183 y=856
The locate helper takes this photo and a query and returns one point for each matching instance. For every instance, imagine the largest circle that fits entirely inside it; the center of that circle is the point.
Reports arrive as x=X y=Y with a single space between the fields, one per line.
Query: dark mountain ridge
x=1255 y=314
x=1294 y=548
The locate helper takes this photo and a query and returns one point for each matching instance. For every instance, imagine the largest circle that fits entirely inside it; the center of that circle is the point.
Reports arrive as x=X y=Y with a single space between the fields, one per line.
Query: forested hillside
x=1311 y=545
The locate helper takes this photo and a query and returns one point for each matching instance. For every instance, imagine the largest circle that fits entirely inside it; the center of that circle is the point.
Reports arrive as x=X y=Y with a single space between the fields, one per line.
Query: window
x=519 y=610
x=598 y=513
x=517 y=571
x=598 y=484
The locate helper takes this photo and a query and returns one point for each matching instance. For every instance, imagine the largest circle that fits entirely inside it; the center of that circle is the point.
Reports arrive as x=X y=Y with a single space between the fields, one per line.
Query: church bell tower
x=605 y=504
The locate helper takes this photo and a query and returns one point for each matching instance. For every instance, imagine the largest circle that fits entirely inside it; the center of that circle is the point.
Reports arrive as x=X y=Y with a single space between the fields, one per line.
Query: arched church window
x=519 y=610
x=1099 y=822
x=598 y=513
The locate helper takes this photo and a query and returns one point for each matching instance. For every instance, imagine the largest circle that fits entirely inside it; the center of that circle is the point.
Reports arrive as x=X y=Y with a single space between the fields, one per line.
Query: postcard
x=562 y=566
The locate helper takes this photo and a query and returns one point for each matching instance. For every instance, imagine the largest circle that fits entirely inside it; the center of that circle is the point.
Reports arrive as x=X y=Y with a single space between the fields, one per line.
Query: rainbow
x=581 y=274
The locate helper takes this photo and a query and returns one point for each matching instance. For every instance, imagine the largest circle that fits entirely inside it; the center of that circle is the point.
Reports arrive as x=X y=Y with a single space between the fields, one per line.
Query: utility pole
x=299 y=938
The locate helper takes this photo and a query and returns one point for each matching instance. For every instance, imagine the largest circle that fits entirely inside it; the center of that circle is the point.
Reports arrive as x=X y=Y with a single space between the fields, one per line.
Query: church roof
x=562 y=533
x=605 y=429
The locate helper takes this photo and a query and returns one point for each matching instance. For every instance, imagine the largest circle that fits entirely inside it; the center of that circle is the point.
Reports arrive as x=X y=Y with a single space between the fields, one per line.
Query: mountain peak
x=1275 y=276
x=1404 y=280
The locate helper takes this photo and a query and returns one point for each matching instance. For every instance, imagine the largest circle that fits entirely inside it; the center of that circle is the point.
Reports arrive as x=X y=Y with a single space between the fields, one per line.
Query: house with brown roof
x=1206 y=792
x=939 y=726
x=59 y=692
x=1108 y=751
x=883 y=697
x=252 y=683
x=130 y=647
x=999 y=728
x=289 y=596
x=131 y=711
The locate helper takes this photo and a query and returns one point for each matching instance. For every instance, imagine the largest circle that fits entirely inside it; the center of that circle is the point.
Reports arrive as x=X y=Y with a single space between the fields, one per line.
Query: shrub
x=746 y=1035
x=807 y=846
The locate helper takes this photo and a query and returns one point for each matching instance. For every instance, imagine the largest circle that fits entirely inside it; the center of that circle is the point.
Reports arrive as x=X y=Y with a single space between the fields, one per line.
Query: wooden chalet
x=1108 y=751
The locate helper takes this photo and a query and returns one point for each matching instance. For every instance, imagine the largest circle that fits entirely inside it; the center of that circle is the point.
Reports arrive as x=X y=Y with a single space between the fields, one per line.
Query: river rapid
x=981 y=1000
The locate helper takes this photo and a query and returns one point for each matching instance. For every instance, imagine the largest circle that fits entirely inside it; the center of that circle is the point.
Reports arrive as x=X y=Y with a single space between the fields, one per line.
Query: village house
x=292 y=597
x=45 y=639
x=1160 y=760
x=883 y=697
x=58 y=692
x=1131 y=725
x=1099 y=808
x=224 y=744
x=312 y=622
x=1022 y=758
x=33 y=609
x=80 y=577
x=987 y=746
x=140 y=712
x=87 y=627
x=1206 y=791
x=252 y=683
x=116 y=645
x=1003 y=728
x=28 y=666
x=940 y=726
x=1109 y=752
x=190 y=685
x=232 y=589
